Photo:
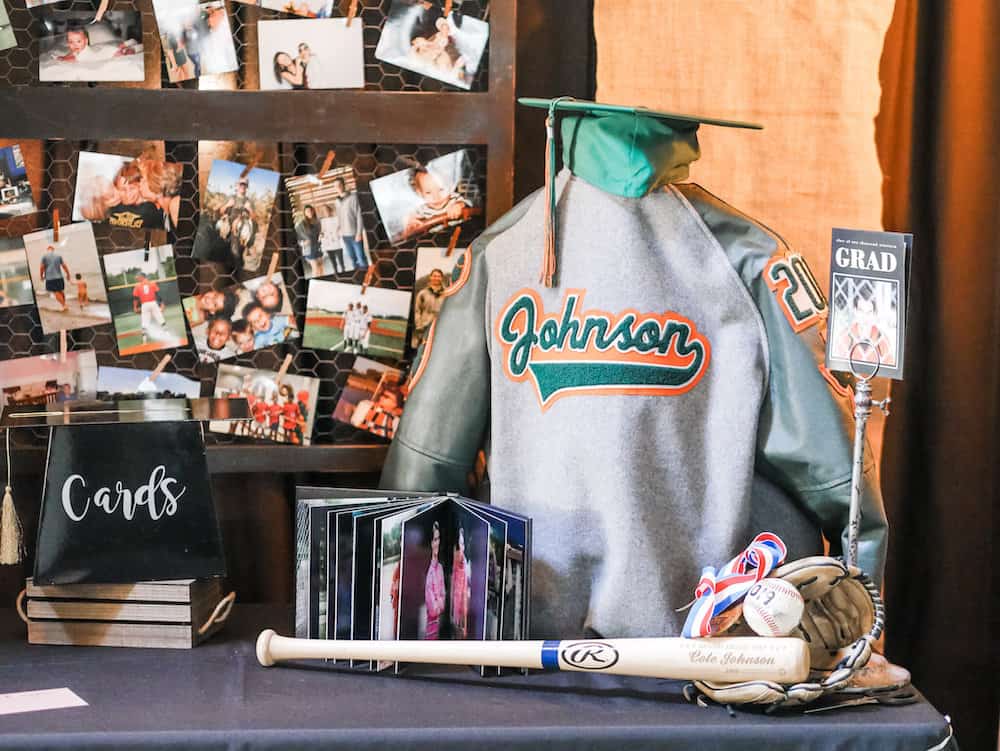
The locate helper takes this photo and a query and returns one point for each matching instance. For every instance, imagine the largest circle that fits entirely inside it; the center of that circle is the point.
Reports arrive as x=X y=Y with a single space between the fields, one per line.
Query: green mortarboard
x=627 y=151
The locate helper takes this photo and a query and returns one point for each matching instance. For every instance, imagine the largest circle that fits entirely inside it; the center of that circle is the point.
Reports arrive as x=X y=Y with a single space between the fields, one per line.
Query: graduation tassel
x=11 y=534
x=549 y=259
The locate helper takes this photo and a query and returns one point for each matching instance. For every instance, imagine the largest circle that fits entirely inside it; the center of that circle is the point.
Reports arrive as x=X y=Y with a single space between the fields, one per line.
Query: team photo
x=343 y=318
x=282 y=410
x=145 y=300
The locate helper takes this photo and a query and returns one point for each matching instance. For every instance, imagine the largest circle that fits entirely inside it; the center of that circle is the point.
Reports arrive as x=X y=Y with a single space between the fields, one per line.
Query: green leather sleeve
x=446 y=415
x=806 y=427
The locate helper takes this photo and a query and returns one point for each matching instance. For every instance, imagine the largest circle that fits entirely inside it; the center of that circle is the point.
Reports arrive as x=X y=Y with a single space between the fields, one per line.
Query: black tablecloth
x=217 y=697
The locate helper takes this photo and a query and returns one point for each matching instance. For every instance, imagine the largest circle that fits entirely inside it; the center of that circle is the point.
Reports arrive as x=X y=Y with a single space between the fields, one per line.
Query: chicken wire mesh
x=21 y=332
x=19 y=66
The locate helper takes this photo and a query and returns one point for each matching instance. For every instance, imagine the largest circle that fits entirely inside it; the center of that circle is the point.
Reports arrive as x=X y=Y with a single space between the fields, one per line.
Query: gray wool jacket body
x=651 y=445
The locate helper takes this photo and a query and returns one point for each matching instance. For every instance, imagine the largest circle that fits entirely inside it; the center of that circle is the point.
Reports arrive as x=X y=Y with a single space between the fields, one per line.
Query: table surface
x=216 y=696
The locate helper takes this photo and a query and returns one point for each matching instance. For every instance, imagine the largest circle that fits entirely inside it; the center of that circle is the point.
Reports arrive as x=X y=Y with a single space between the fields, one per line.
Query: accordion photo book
x=377 y=565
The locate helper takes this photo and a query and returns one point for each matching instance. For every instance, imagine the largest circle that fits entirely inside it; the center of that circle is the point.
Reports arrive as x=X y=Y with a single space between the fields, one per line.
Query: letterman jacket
x=629 y=409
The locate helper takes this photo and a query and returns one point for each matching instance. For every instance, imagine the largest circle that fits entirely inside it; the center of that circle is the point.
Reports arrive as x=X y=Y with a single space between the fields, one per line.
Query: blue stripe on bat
x=550 y=655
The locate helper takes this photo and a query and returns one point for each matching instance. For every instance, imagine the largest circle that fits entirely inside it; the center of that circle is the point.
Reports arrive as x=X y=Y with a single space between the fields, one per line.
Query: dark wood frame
x=107 y=113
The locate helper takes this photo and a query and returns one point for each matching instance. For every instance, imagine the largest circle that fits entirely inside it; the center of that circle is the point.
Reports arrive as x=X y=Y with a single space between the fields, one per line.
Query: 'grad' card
x=868 y=287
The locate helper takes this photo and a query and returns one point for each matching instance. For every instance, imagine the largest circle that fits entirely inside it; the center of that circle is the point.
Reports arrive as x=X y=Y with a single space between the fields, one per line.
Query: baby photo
x=328 y=222
x=342 y=319
x=196 y=38
x=67 y=279
x=418 y=36
x=75 y=47
x=282 y=412
x=241 y=318
x=433 y=278
x=145 y=300
x=428 y=197
x=15 y=281
x=121 y=383
x=47 y=379
x=372 y=399
x=7 y=38
x=15 y=190
x=134 y=193
x=307 y=8
x=235 y=214
x=326 y=54
x=865 y=322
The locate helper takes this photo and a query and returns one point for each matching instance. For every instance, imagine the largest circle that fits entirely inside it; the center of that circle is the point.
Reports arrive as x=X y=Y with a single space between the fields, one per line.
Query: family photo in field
x=342 y=318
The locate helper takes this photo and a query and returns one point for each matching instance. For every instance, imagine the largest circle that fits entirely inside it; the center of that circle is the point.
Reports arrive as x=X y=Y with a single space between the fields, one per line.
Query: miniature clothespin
x=148 y=384
x=486 y=13
x=62 y=345
x=327 y=163
x=283 y=370
x=251 y=164
x=447 y=8
x=369 y=278
x=352 y=11
x=55 y=225
x=272 y=268
x=453 y=242
x=146 y=249
x=101 y=10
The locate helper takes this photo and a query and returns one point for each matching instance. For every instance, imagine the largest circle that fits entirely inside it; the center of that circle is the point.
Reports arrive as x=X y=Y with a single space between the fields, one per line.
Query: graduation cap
x=627 y=151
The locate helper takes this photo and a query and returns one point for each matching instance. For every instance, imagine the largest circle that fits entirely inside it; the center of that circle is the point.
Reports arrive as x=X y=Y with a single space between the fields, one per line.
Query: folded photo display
x=376 y=565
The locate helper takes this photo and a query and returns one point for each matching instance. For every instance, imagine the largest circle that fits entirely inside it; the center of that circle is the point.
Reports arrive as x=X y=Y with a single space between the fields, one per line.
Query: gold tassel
x=11 y=535
x=547 y=276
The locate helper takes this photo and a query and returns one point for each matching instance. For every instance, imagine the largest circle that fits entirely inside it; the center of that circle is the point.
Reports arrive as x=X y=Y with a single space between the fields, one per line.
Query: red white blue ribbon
x=718 y=589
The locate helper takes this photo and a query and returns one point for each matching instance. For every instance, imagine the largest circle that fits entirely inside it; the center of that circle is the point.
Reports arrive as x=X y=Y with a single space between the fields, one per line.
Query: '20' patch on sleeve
x=796 y=289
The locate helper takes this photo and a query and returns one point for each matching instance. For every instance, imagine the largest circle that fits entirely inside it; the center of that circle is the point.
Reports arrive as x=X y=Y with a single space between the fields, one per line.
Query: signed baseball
x=773 y=607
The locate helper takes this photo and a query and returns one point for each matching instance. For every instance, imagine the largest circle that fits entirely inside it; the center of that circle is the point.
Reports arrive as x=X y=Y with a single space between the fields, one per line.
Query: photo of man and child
x=196 y=38
x=283 y=411
x=15 y=281
x=76 y=46
x=307 y=8
x=339 y=317
x=328 y=222
x=372 y=399
x=241 y=318
x=235 y=214
x=428 y=197
x=48 y=379
x=418 y=36
x=135 y=193
x=67 y=267
x=15 y=190
x=145 y=300
x=325 y=54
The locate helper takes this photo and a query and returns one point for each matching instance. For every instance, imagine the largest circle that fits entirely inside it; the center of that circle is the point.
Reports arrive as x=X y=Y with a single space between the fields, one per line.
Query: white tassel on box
x=11 y=534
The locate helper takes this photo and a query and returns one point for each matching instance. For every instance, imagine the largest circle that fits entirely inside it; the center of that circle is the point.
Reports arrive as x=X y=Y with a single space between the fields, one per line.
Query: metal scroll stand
x=862 y=411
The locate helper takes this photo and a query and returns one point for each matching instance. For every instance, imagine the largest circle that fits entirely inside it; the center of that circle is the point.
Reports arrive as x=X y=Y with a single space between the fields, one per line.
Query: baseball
x=773 y=607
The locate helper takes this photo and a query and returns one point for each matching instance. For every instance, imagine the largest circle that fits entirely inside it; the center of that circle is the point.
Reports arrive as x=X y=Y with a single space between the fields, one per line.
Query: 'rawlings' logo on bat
x=594 y=352
x=589 y=655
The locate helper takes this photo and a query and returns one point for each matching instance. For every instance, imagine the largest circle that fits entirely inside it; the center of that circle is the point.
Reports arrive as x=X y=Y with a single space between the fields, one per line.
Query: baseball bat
x=724 y=659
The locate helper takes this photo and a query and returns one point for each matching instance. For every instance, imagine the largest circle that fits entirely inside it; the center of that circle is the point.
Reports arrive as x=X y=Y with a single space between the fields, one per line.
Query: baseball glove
x=843 y=616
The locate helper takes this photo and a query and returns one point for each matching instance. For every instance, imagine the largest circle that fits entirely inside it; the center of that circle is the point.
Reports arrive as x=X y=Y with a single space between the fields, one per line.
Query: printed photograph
x=307 y=8
x=75 y=46
x=120 y=383
x=328 y=222
x=428 y=197
x=241 y=318
x=433 y=278
x=67 y=278
x=469 y=574
x=423 y=592
x=418 y=36
x=372 y=399
x=282 y=412
x=235 y=214
x=865 y=320
x=342 y=319
x=7 y=37
x=45 y=379
x=325 y=54
x=145 y=300
x=15 y=281
x=134 y=193
x=196 y=38
x=15 y=190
